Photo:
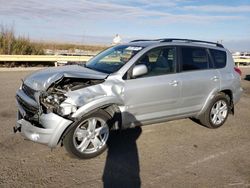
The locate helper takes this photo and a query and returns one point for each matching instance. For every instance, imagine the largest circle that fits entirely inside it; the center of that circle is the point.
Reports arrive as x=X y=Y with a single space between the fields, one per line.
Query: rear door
x=199 y=79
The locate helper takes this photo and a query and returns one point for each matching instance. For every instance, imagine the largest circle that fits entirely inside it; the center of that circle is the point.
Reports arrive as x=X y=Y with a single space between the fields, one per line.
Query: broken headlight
x=53 y=99
x=66 y=109
x=54 y=102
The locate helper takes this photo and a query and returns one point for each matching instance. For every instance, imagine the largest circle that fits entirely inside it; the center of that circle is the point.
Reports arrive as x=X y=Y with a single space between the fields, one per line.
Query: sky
x=97 y=21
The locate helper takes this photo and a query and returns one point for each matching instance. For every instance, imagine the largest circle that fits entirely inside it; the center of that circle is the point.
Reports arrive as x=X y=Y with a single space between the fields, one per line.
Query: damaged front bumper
x=50 y=132
x=45 y=129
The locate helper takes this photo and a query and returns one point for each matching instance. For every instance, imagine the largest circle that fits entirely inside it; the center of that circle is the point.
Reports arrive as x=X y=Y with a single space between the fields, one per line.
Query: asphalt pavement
x=177 y=153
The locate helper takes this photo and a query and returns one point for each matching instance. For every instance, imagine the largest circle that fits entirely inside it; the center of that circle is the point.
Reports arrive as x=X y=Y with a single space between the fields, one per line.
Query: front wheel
x=217 y=112
x=88 y=137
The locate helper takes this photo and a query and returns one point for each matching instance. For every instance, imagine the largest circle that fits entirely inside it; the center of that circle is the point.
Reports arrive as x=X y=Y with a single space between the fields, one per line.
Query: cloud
x=219 y=8
x=76 y=20
x=104 y=9
x=148 y=3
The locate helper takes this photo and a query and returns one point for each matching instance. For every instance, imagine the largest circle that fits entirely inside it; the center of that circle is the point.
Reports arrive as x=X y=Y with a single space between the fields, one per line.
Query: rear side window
x=219 y=57
x=194 y=59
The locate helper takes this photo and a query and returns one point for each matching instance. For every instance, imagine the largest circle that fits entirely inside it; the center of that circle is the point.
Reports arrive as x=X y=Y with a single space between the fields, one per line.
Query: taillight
x=238 y=70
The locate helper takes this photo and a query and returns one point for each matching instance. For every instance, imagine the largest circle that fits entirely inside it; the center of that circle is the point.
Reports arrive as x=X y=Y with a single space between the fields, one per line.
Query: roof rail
x=142 y=40
x=190 y=40
x=177 y=39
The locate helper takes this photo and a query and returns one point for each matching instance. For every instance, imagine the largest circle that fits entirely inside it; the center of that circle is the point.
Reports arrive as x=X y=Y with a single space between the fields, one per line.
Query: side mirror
x=139 y=70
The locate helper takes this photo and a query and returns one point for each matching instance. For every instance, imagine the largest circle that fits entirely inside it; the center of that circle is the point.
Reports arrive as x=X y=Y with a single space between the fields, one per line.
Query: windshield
x=112 y=59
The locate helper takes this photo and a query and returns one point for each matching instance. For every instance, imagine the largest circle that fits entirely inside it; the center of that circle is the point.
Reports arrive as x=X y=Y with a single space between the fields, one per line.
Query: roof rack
x=183 y=40
x=190 y=40
x=142 y=40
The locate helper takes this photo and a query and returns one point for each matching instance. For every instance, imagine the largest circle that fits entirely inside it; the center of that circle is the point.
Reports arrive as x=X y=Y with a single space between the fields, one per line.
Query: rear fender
x=210 y=97
x=207 y=102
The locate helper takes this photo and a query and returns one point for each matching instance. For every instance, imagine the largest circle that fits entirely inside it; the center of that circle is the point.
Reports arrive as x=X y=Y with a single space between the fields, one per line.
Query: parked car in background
x=133 y=84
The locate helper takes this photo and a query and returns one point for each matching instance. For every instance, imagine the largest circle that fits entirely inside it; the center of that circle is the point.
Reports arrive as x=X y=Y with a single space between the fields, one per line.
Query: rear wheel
x=88 y=138
x=217 y=112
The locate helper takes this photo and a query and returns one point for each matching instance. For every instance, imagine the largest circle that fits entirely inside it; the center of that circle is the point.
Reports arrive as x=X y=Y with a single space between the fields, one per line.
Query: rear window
x=194 y=59
x=219 y=57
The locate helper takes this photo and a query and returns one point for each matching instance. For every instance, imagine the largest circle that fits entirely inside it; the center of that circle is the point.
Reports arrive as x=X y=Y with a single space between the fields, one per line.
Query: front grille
x=28 y=91
x=31 y=111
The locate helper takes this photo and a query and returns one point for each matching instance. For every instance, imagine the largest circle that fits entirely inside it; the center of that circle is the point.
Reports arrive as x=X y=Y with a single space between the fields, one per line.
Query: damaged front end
x=56 y=98
x=43 y=115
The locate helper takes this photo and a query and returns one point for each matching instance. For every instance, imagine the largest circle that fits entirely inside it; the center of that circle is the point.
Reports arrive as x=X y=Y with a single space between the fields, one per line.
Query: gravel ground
x=178 y=153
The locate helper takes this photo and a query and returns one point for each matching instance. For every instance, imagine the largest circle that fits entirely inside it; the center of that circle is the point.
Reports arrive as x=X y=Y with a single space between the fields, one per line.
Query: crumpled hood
x=42 y=79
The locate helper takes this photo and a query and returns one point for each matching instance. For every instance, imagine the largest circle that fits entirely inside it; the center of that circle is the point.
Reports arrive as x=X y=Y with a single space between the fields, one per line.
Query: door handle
x=215 y=78
x=174 y=83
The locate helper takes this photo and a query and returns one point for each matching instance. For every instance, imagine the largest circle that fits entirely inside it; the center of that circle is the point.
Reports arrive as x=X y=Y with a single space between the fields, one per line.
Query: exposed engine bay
x=51 y=99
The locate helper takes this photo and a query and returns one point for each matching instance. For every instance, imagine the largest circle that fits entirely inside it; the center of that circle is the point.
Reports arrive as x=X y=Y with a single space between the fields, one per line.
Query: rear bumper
x=52 y=129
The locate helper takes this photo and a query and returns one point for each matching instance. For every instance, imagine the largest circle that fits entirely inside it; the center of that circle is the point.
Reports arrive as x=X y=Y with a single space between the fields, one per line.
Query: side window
x=194 y=59
x=159 y=61
x=219 y=57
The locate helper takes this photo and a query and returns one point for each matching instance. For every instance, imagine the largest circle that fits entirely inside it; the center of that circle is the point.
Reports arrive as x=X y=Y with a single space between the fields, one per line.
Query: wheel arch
x=227 y=92
x=97 y=104
x=111 y=108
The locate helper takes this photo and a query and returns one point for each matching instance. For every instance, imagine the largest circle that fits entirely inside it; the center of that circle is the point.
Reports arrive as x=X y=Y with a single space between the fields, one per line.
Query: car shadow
x=122 y=167
x=247 y=77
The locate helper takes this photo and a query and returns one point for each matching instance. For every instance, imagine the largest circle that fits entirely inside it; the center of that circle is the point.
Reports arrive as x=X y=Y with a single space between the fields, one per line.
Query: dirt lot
x=174 y=154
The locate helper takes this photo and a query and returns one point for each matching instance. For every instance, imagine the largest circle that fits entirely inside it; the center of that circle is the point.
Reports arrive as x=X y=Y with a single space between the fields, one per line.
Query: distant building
x=241 y=55
x=117 y=40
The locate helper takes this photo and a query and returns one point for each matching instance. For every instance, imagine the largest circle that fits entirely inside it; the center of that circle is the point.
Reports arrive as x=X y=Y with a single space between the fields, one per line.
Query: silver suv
x=138 y=83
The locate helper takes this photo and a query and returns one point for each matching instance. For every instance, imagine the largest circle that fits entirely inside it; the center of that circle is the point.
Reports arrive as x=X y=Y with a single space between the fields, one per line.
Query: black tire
x=70 y=142
x=208 y=116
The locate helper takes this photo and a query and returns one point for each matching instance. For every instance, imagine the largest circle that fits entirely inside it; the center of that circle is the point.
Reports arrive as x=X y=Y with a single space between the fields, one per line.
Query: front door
x=156 y=94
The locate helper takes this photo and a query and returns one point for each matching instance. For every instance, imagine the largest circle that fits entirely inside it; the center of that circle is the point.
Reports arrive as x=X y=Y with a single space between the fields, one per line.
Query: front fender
x=95 y=104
